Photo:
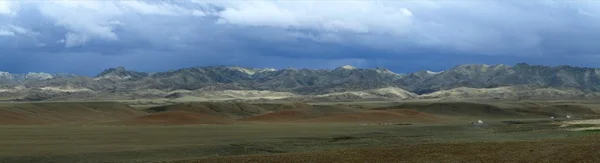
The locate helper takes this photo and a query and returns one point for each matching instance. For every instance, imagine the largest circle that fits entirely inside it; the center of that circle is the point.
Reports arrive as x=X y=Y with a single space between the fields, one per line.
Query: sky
x=86 y=37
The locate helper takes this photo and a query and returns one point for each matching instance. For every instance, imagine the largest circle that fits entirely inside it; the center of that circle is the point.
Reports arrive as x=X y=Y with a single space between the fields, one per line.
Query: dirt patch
x=177 y=118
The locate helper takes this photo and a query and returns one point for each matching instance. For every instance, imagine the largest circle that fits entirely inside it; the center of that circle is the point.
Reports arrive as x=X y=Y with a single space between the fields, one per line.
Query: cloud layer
x=85 y=37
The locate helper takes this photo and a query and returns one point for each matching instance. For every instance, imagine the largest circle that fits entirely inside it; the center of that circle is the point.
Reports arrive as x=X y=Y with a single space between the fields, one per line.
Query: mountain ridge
x=310 y=82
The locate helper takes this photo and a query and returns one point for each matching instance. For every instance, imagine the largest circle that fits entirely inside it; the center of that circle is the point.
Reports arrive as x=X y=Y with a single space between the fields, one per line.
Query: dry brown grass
x=228 y=109
x=585 y=149
x=176 y=118
x=60 y=112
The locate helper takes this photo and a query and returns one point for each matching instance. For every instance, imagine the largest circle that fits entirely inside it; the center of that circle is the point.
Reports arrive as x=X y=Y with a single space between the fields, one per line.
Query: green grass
x=577 y=149
x=581 y=125
x=77 y=143
x=592 y=131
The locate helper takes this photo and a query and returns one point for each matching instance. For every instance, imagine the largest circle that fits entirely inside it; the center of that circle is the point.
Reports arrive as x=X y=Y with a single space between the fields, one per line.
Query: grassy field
x=77 y=143
x=509 y=133
x=581 y=149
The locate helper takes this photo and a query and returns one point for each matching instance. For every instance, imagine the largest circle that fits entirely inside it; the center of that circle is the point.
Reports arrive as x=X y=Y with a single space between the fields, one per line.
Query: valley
x=233 y=114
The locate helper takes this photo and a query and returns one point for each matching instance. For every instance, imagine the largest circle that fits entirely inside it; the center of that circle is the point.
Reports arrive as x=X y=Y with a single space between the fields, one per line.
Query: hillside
x=59 y=113
x=232 y=110
x=504 y=92
x=192 y=113
x=489 y=110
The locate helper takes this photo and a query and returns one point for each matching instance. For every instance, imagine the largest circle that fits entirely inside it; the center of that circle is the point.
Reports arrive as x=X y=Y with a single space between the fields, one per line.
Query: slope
x=379 y=116
x=234 y=110
x=175 y=118
x=493 y=111
x=64 y=112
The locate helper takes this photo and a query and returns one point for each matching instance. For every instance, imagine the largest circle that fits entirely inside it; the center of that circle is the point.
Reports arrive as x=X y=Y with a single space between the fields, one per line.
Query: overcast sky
x=85 y=37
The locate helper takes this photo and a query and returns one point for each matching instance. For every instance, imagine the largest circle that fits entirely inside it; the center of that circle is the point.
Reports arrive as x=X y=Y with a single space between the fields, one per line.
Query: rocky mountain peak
x=252 y=71
x=121 y=73
x=5 y=74
x=424 y=73
x=478 y=68
x=38 y=76
x=382 y=70
x=345 y=67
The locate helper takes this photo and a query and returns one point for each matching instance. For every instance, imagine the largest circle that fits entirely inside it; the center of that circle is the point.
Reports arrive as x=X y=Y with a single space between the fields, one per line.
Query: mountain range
x=346 y=82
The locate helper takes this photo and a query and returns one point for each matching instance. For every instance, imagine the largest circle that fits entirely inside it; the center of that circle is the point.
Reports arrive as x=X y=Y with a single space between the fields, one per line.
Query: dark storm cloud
x=85 y=37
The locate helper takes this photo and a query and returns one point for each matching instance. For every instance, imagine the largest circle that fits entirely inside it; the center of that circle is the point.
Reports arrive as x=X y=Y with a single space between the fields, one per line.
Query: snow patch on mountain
x=252 y=71
x=346 y=67
x=433 y=73
x=382 y=70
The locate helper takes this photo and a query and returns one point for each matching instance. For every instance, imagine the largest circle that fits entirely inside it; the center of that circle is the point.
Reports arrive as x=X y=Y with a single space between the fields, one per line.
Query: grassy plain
x=507 y=135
